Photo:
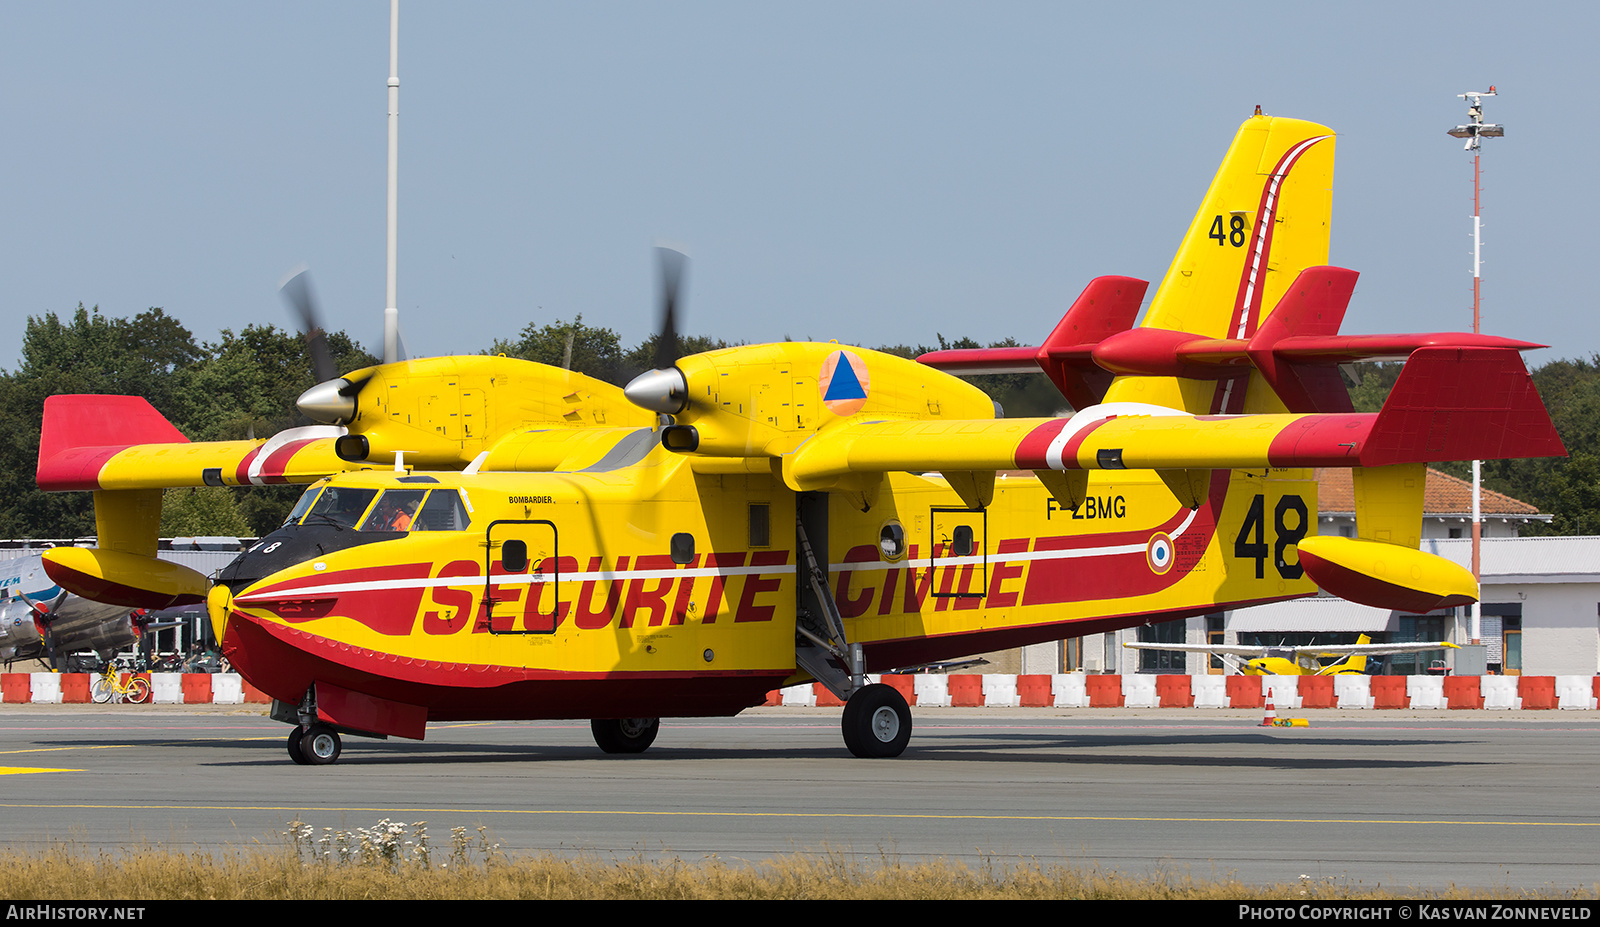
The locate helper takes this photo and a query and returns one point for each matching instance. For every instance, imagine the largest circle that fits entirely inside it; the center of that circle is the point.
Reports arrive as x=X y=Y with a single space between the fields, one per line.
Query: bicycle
x=109 y=687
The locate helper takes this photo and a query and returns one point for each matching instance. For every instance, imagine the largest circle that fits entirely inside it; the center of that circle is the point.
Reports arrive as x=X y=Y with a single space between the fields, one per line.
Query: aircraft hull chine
x=371 y=686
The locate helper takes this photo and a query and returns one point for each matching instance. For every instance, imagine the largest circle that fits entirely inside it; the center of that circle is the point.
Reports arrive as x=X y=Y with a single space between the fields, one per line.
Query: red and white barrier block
x=165 y=688
x=997 y=690
x=1077 y=690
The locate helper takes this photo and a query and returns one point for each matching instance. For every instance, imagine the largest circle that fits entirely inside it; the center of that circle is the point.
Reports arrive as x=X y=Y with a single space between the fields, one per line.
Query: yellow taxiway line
x=1049 y=818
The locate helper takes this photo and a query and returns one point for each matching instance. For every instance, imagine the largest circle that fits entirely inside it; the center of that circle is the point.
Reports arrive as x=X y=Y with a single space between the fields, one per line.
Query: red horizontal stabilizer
x=968 y=362
x=1347 y=349
x=1108 y=305
x=1462 y=404
x=82 y=432
x=1160 y=352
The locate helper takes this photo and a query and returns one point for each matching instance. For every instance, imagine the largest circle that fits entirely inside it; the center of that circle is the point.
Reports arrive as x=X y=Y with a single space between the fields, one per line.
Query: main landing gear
x=625 y=735
x=317 y=745
x=876 y=722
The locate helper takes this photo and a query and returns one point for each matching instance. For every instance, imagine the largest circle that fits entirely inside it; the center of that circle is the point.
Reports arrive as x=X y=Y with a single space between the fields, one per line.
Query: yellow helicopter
x=494 y=539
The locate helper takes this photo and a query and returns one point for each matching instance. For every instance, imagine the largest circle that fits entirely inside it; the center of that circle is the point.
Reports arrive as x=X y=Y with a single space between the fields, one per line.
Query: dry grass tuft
x=394 y=861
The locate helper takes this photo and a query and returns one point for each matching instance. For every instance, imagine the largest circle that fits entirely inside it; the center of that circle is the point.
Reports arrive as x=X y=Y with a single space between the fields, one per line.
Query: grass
x=393 y=861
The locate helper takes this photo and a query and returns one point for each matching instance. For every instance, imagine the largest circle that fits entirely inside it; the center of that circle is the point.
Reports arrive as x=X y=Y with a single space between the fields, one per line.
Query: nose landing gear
x=317 y=745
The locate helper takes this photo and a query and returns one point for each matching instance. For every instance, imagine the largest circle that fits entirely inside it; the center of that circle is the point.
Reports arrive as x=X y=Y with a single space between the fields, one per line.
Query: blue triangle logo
x=844 y=384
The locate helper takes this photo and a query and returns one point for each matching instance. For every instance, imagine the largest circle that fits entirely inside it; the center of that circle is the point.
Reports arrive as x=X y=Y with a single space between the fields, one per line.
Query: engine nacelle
x=441 y=412
x=764 y=400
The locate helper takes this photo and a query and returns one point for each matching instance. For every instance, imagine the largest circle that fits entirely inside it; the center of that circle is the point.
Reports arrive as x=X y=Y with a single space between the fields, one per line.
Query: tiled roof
x=1443 y=494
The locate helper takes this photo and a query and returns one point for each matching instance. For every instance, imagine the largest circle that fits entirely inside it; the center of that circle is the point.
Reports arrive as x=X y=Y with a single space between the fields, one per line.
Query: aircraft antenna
x=1474 y=130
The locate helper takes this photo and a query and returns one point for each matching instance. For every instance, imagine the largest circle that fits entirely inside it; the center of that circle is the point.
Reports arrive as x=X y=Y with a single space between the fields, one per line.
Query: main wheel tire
x=320 y=745
x=625 y=735
x=138 y=690
x=294 y=747
x=876 y=722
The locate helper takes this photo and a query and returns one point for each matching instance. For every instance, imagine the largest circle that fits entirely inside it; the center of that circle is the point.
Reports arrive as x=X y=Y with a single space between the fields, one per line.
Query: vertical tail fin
x=1265 y=218
x=1357 y=663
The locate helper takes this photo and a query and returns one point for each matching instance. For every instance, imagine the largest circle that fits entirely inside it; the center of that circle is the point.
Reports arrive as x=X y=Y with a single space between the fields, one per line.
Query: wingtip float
x=814 y=511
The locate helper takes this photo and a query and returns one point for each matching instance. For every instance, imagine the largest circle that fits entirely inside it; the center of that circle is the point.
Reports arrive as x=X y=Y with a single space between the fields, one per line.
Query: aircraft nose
x=664 y=391
x=218 y=603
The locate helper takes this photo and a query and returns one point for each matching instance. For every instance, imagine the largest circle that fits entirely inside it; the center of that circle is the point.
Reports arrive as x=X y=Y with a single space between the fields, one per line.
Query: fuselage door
x=959 y=547
x=523 y=594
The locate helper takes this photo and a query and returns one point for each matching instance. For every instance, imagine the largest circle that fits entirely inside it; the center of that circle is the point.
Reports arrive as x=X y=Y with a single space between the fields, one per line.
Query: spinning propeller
x=664 y=389
x=333 y=400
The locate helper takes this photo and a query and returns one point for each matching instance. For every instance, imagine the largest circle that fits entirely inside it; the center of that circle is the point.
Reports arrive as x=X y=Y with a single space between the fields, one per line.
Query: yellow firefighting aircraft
x=522 y=544
x=1349 y=659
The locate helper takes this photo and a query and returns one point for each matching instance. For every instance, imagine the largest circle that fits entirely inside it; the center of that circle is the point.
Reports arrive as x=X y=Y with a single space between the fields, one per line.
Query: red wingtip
x=1462 y=404
x=81 y=432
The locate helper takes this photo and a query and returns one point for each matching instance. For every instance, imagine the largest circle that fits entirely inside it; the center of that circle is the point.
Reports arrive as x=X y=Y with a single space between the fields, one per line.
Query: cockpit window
x=340 y=505
x=395 y=510
x=304 y=505
x=443 y=512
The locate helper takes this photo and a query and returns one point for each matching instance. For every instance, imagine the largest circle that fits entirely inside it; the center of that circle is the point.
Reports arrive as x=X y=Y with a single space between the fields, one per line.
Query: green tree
x=205 y=511
x=596 y=352
x=90 y=353
x=244 y=384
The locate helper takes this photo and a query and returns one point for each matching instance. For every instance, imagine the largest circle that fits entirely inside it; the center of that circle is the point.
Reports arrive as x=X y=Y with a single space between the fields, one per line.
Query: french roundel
x=844 y=383
x=1159 y=553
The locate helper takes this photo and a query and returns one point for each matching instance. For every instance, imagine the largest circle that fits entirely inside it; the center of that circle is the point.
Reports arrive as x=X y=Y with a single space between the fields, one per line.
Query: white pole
x=391 y=312
x=1477 y=465
x=1475 y=129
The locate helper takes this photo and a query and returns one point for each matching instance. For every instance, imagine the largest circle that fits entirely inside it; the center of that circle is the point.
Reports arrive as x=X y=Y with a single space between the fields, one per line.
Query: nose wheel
x=317 y=745
x=876 y=722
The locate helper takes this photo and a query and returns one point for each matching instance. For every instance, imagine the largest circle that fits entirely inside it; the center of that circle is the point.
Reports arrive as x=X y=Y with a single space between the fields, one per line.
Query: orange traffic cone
x=1271 y=720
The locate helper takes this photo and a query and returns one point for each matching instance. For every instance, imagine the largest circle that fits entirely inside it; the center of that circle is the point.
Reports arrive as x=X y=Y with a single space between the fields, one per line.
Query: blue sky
x=868 y=172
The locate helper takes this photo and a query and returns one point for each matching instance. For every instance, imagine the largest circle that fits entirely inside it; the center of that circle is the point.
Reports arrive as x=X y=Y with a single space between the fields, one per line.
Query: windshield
x=443 y=512
x=340 y=505
x=304 y=505
x=395 y=510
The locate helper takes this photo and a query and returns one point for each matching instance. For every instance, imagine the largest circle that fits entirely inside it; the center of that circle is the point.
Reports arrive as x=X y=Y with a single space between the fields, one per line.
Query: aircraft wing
x=1322 y=650
x=1217 y=649
x=1376 y=650
x=122 y=442
x=1448 y=404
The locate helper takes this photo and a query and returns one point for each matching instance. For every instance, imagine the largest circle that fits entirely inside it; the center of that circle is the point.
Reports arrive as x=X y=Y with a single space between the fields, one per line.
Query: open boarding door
x=960 y=556
x=523 y=577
